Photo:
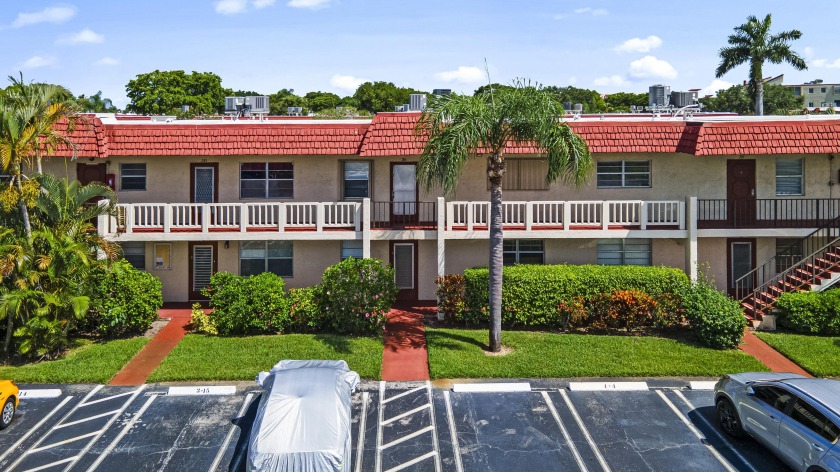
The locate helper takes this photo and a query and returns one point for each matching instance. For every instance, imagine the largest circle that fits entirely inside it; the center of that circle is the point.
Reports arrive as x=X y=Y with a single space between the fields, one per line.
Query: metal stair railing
x=790 y=263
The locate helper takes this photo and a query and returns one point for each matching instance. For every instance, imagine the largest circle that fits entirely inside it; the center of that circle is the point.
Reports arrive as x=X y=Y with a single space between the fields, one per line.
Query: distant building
x=817 y=94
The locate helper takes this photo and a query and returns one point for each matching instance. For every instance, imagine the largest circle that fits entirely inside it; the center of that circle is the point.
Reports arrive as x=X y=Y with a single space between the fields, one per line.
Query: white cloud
x=346 y=82
x=712 y=89
x=463 y=74
x=639 y=44
x=591 y=11
x=808 y=52
x=649 y=67
x=35 y=62
x=835 y=64
x=613 y=80
x=259 y=4
x=107 y=61
x=572 y=80
x=85 y=36
x=47 y=15
x=310 y=4
x=231 y=7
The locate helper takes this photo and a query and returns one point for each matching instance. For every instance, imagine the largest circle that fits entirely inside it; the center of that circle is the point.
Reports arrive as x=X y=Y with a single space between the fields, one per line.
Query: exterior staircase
x=812 y=263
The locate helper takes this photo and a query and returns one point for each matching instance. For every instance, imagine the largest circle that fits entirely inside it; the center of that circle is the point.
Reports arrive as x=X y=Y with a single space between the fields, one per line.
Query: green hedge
x=531 y=293
x=248 y=305
x=123 y=300
x=810 y=312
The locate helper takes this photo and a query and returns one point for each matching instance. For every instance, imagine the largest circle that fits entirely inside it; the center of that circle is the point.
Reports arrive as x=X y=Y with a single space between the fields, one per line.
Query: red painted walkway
x=141 y=365
x=405 y=356
x=769 y=356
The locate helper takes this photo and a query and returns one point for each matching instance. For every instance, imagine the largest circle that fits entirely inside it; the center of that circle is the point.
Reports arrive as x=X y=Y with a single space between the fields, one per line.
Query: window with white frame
x=256 y=257
x=351 y=249
x=789 y=176
x=266 y=180
x=623 y=174
x=525 y=174
x=356 y=175
x=135 y=254
x=132 y=176
x=524 y=251
x=624 y=252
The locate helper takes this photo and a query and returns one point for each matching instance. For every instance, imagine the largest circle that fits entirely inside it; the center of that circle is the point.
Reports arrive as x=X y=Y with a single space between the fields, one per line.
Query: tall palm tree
x=461 y=127
x=753 y=43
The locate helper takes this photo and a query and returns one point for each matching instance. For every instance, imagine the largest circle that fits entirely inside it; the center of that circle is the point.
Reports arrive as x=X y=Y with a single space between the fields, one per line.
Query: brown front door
x=740 y=258
x=204 y=183
x=87 y=173
x=202 y=267
x=404 y=262
x=740 y=192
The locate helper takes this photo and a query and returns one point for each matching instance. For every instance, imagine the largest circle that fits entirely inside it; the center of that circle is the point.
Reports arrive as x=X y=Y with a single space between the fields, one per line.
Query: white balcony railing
x=243 y=217
x=567 y=215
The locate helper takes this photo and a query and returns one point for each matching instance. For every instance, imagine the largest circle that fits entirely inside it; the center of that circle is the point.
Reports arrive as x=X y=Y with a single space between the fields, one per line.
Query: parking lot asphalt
x=395 y=426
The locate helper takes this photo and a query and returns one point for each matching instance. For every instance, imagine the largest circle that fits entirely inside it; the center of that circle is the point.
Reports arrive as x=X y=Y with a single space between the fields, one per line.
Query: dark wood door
x=404 y=262
x=740 y=192
x=202 y=266
x=87 y=173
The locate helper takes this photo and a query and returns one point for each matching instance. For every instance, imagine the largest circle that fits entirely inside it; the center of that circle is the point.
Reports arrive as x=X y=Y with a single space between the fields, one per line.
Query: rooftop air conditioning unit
x=294 y=111
x=256 y=104
x=578 y=108
x=401 y=108
x=417 y=102
x=234 y=104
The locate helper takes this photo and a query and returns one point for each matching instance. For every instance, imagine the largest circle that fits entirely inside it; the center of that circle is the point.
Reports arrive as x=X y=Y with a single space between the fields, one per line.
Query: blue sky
x=333 y=45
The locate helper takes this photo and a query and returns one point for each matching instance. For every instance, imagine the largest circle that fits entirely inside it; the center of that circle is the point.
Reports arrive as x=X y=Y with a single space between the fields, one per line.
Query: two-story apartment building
x=293 y=196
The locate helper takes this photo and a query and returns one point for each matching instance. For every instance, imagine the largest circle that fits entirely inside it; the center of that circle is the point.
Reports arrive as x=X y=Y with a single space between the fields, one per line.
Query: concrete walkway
x=405 y=356
x=155 y=351
x=768 y=356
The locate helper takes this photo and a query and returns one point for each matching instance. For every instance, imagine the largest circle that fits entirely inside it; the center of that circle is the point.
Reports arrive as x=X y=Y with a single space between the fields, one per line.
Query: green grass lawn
x=199 y=357
x=458 y=353
x=819 y=355
x=87 y=362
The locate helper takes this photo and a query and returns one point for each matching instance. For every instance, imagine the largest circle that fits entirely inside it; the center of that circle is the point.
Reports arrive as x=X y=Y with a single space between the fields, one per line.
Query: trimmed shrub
x=450 y=294
x=202 y=322
x=305 y=315
x=532 y=293
x=248 y=305
x=810 y=312
x=717 y=320
x=621 y=309
x=123 y=300
x=357 y=294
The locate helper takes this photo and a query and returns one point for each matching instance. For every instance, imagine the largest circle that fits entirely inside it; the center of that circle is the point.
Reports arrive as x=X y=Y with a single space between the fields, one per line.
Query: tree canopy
x=620 y=102
x=590 y=99
x=95 y=104
x=382 y=96
x=778 y=100
x=165 y=92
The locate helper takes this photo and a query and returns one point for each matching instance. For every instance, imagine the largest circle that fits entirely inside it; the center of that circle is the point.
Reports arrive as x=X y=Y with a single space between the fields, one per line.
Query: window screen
x=356 y=180
x=266 y=180
x=524 y=251
x=351 y=249
x=624 y=252
x=135 y=254
x=256 y=257
x=623 y=174
x=789 y=176
x=132 y=176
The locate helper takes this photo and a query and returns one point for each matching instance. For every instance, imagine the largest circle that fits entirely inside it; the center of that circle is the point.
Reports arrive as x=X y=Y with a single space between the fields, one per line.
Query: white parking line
x=229 y=436
x=83 y=420
x=407 y=437
x=702 y=384
x=413 y=461
x=52 y=464
x=360 y=447
x=697 y=433
x=720 y=436
x=580 y=424
x=434 y=426
x=407 y=413
x=34 y=428
x=122 y=434
x=402 y=394
x=105 y=399
x=566 y=436
x=105 y=428
x=379 y=426
x=459 y=467
x=49 y=431
x=61 y=443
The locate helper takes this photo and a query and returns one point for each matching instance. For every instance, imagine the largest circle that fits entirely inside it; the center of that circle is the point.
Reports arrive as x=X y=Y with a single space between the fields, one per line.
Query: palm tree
x=461 y=127
x=753 y=43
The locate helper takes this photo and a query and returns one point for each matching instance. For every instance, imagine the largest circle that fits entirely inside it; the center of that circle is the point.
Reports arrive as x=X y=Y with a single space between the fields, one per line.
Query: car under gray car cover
x=303 y=421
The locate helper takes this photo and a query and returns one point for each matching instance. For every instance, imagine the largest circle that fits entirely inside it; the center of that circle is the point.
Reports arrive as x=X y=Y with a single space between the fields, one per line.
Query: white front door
x=404 y=189
x=403 y=260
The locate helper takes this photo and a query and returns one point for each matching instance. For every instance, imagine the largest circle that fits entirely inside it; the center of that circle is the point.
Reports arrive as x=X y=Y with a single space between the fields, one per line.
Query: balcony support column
x=691 y=238
x=441 y=244
x=366 y=228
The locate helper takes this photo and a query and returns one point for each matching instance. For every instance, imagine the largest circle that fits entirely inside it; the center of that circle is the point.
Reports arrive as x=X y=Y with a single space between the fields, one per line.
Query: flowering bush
x=248 y=305
x=357 y=294
x=202 y=322
x=450 y=293
x=305 y=313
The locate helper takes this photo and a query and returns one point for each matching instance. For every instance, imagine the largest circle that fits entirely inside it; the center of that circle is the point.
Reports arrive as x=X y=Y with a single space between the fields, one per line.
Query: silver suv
x=796 y=417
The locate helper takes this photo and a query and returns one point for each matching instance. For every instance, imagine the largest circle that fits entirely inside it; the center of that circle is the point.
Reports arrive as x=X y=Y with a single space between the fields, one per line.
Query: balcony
x=766 y=213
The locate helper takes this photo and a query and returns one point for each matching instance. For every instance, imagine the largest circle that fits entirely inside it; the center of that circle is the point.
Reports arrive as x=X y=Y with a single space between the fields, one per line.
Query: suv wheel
x=728 y=418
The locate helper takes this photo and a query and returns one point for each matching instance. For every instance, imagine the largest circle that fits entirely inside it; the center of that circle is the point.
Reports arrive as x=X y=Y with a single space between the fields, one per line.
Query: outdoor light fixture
x=227 y=244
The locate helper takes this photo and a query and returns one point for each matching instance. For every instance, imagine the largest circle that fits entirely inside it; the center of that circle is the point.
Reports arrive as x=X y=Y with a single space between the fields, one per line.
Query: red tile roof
x=392 y=134
x=88 y=135
x=768 y=137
